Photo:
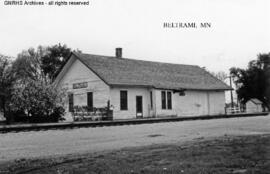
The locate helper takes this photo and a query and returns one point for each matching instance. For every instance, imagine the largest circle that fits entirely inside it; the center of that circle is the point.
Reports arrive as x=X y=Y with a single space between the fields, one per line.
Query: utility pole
x=232 y=105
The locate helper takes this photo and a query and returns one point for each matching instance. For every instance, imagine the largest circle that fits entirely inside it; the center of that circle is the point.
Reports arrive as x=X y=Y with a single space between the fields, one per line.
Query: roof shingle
x=123 y=71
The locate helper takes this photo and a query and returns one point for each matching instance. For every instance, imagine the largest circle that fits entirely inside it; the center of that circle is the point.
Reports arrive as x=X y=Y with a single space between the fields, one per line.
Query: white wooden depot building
x=137 y=88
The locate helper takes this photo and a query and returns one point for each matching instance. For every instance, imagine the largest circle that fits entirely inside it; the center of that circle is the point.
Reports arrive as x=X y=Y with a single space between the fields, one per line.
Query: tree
x=38 y=99
x=6 y=82
x=43 y=62
x=265 y=65
x=221 y=75
x=28 y=64
x=54 y=59
x=254 y=81
x=33 y=93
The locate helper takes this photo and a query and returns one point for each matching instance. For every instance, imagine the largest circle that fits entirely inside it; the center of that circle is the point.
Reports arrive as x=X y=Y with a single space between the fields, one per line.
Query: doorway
x=139 y=106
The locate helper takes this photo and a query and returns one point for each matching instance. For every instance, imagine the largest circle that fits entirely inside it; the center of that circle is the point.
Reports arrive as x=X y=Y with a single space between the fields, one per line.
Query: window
x=90 y=100
x=123 y=100
x=70 y=102
x=169 y=100
x=166 y=100
x=163 y=99
x=151 y=99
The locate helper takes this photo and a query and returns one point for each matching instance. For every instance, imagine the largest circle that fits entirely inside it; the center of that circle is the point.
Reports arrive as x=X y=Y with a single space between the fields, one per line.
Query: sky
x=240 y=30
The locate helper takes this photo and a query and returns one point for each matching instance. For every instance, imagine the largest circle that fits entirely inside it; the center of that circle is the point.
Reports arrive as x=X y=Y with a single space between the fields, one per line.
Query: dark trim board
x=69 y=125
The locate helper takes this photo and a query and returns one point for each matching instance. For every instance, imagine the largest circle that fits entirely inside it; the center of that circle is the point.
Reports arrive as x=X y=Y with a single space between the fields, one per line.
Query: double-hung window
x=123 y=100
x=163 y=99
x=169 y=100
x=166 y=100
x=90 y=104
x=70 y=102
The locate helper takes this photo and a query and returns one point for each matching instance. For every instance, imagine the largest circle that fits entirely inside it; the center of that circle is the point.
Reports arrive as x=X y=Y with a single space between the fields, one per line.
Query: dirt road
x=60 y=142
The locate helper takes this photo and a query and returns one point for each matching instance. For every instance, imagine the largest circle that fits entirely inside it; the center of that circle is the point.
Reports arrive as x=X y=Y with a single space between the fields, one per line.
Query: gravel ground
x=60 y=142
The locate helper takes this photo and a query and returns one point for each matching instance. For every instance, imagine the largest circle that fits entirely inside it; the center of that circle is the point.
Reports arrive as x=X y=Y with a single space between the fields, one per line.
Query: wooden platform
x=68 y=125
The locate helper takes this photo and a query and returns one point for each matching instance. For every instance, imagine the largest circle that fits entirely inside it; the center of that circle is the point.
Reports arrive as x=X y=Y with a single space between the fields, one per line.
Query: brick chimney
x=118 y=52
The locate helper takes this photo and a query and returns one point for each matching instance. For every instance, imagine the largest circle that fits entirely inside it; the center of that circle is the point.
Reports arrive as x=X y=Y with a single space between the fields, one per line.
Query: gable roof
x=256 y=101
x=131 y=72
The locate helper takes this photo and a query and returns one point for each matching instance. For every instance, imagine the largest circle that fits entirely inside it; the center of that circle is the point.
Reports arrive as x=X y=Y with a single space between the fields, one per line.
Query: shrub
x=41 y=102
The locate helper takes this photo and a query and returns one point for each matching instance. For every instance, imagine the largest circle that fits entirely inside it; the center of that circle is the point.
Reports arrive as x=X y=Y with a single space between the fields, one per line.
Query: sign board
x=80 y=85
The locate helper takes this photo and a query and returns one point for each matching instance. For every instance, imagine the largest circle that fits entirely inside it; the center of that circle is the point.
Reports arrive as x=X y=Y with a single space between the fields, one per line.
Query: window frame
x=70 y=102
x=169 y=100
x=90 y=101
x=123 y=100
x=163 y=100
